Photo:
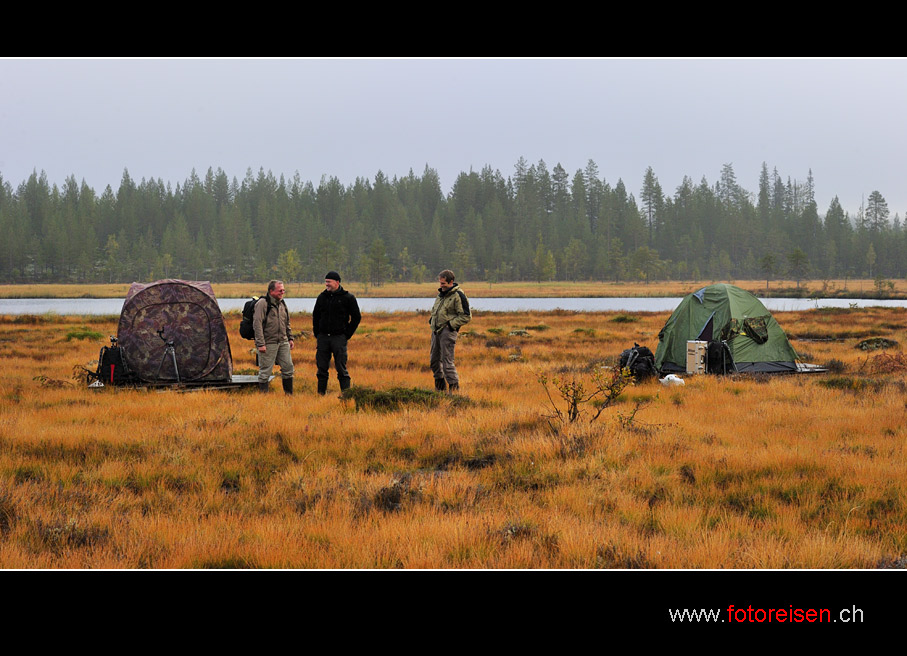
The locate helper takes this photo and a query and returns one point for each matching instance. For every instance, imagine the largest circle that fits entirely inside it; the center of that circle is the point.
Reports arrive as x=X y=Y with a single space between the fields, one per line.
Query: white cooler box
x=696 y=356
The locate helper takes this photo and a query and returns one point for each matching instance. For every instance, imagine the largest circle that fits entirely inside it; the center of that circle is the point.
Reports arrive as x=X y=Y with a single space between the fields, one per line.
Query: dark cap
x=332 y=275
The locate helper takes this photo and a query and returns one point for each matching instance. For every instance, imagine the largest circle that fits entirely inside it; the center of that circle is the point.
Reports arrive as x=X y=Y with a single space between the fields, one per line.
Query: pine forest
x=533 y=225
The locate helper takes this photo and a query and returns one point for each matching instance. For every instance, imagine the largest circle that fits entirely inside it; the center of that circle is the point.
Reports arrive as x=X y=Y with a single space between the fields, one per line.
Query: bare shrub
x=576 y=394
x=886 y=363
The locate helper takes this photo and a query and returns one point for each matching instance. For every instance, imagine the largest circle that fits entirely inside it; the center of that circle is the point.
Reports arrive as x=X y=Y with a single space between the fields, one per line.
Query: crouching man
x=273 y=337
x=449 y=313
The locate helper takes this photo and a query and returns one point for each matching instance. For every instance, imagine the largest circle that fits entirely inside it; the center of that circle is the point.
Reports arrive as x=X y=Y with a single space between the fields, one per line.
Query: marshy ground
x=795 y=471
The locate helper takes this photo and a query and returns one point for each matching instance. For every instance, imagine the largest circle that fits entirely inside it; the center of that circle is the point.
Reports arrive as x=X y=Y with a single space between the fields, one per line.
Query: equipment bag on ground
x=640 y=361
x=112 y=367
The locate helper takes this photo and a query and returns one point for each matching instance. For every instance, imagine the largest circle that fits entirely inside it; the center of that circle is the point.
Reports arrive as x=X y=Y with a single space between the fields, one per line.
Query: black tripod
x=167 y=351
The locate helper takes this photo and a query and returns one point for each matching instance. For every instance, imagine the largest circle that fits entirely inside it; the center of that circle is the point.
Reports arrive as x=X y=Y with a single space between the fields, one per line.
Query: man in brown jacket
x=273 y=337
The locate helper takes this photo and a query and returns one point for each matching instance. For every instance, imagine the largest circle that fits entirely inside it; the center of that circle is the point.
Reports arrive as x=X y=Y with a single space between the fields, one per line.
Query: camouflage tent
x=173 y=330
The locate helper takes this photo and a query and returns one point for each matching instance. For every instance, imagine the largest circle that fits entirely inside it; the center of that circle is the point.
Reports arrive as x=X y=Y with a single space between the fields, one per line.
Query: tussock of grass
x=396 y=398
x=66 y=534
x=853 y=384
x=392 y=498
x=835 y=366
x=83 y=332
x=8 y=513
x=227 y=562
x=877 y=343
x=828 y=336
x=31 y=318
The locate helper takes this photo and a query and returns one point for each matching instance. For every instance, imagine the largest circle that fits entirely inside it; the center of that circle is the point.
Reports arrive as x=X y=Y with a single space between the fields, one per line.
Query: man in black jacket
x=334 y=320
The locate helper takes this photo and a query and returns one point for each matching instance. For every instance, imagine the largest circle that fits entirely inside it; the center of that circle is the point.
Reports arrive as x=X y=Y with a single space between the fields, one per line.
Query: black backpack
x=640 y=360
x=246 y=330
x=112 y=367
x=719 y=359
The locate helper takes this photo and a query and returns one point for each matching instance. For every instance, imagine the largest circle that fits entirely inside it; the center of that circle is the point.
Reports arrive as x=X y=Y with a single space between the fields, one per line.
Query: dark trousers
x=442 y=356
x=329 y=345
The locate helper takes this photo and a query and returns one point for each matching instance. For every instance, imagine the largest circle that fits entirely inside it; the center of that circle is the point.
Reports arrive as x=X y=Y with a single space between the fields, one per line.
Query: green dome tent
x=725 y=313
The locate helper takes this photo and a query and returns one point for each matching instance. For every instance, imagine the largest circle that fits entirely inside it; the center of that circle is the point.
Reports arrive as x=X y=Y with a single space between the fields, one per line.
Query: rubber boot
x=322 y=387
x=440 y=384
x=263 y=387
x=287 y=385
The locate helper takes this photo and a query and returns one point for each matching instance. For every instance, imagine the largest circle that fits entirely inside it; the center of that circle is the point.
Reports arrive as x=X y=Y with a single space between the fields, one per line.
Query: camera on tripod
x=171 y=351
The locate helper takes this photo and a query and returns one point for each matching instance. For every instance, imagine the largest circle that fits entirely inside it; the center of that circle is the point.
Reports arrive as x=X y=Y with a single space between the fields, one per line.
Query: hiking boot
x=287 y=386
x=344 y=384
x=263 y=387
x=455 y=388
x=440 y=384
x=322 y=387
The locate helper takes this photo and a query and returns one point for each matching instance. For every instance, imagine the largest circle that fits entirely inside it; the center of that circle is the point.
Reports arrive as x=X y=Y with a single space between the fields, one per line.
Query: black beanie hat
x=332 y=275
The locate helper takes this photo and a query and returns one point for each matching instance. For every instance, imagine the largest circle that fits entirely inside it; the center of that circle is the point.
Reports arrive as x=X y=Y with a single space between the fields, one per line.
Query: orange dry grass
x=735 y=472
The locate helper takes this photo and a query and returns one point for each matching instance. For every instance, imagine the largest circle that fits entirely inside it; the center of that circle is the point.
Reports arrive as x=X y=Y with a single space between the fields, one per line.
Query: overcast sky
x=160 y=118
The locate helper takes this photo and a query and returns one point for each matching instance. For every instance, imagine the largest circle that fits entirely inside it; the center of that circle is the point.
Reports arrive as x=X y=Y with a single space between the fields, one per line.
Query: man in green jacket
x=449 y=313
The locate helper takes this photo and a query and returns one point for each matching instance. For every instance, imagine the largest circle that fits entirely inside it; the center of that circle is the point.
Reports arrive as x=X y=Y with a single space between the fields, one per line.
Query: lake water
x=113 y=306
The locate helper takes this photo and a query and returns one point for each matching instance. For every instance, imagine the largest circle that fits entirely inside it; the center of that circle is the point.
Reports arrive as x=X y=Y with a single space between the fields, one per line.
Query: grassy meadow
x=795 y=471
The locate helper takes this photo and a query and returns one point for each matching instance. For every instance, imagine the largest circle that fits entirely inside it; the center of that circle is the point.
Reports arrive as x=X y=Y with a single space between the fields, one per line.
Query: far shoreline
x=852 y=288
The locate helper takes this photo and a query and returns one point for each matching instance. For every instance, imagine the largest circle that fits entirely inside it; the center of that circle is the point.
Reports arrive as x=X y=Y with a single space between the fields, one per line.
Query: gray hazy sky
x=160 y=118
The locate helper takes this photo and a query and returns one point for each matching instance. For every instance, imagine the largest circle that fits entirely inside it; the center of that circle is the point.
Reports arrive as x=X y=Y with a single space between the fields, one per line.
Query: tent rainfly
x=173 y=330
x=725 y=313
